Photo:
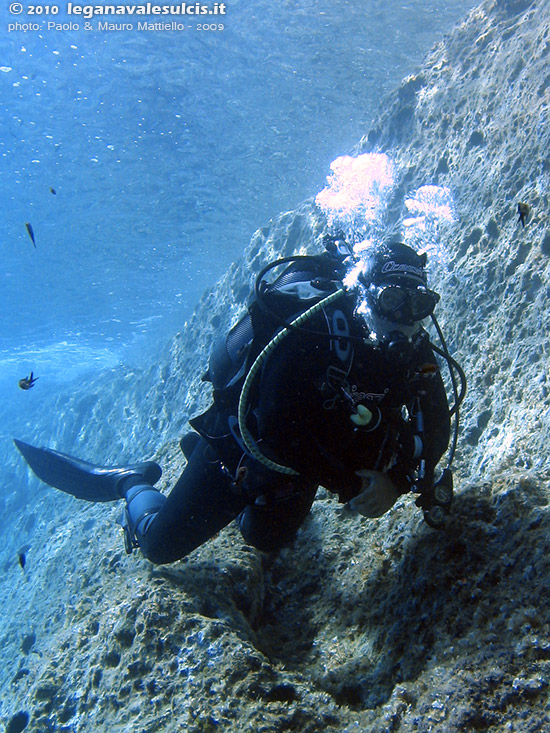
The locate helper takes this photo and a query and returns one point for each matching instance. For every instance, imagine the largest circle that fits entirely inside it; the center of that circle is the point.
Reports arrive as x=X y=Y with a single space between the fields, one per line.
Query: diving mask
x=401 y=304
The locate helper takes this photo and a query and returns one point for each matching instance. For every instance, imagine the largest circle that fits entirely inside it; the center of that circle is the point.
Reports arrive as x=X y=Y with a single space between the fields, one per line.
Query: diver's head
x=392 y=297
x=395 y=282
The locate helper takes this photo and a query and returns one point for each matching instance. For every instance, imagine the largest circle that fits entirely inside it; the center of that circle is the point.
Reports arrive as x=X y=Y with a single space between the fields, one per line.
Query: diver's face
x=383 y=330
x=394 y=339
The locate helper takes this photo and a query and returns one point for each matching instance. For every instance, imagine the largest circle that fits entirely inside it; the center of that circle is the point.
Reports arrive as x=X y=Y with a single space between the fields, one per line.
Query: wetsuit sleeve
x=427 y=394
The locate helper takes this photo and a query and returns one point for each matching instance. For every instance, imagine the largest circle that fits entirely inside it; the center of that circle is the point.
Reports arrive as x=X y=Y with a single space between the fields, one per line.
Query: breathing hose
x=458 y=397
x=246 y=435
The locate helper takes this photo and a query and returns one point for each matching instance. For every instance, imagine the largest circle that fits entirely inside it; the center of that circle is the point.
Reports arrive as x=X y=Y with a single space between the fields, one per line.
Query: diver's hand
x=378 y=494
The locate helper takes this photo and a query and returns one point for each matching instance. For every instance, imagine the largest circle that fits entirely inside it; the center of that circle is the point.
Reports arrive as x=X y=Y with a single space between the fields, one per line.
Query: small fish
x=523 y=211
x=28 y=382
x=427 y=370
x=30 y=232
x=52 y=190
x=22 y=560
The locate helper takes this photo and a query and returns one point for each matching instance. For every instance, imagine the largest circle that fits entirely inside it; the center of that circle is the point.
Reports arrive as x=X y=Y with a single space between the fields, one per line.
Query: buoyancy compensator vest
x=306 y=285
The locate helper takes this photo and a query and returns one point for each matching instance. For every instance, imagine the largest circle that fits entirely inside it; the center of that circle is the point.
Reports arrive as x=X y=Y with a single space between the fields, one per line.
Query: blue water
x=166 y=151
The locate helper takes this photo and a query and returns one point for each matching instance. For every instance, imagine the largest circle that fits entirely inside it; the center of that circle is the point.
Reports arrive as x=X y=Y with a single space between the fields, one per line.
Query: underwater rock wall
x=382 y=625
x=476 y=118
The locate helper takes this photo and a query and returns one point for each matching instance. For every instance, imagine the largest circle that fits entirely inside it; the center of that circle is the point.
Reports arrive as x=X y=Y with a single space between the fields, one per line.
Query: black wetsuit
x=300 y=410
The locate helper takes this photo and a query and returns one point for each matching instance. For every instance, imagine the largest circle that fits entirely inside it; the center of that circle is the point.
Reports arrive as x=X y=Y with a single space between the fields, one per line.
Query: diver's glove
x=378 y=494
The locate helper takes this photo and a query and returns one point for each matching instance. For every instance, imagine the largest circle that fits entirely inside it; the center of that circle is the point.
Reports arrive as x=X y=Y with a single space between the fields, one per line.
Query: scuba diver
x=329 y=379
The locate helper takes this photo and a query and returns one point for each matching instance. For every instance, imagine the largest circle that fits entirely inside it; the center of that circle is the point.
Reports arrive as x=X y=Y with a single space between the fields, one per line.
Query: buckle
x=130 y=542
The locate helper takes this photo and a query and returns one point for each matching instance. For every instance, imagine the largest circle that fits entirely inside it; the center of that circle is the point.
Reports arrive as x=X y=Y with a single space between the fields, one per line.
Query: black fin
x=80 y=478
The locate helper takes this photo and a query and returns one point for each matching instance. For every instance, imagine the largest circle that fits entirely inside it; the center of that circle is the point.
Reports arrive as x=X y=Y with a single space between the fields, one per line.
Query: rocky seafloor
x=360 y=625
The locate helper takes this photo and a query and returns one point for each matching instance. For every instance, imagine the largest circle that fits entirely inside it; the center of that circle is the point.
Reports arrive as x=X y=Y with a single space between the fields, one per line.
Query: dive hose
x=246 y=435
x=458 y=397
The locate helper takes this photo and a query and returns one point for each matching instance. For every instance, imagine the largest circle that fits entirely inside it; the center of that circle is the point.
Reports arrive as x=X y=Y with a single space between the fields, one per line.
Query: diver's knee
x=158 y=555
x=264 y=530
x=143 y=503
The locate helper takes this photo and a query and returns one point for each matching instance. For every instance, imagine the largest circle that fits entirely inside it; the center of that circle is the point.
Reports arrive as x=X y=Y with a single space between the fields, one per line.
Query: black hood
x=395 y=264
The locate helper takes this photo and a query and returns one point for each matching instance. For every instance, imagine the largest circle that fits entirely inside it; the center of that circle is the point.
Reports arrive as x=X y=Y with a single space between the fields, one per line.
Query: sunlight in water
x=429 y=207
x=356 y=200
x=357 y=192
